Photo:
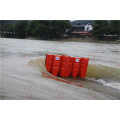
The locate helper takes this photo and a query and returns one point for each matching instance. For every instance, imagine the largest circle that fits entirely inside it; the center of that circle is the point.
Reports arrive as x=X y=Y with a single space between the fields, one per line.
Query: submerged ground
x=24 y=76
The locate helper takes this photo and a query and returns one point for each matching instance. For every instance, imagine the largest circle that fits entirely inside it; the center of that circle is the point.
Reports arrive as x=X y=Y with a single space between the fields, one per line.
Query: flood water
x=24 y=76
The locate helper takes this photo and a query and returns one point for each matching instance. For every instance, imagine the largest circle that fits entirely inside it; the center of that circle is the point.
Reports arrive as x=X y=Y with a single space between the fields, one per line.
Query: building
x=88 y=27
x=82 y=29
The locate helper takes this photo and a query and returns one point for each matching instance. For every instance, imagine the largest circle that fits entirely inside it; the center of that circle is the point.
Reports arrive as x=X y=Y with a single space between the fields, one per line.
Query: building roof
x=77 y=25
x=80 y=32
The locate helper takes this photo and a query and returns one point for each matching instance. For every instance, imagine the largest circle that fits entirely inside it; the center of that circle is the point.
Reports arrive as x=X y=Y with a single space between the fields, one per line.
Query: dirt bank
x=87 y=39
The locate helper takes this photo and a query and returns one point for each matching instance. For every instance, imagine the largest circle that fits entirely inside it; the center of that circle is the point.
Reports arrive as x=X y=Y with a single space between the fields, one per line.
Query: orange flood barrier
x=64 y=70
x=65 y=66
x=52 y=63
x=48 y=62
x=55 y=64
x=75 y=67
x=83 y=67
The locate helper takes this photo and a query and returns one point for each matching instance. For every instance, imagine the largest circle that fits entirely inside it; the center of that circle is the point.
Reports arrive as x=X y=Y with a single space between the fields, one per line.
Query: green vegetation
x=102 y=27
x=8 y=27
x=21 y=29
x=37 y=28
x=46 y=29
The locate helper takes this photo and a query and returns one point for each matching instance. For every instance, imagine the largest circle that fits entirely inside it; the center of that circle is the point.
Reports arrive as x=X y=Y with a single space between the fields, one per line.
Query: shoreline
x=88 y=39
x=91 y=40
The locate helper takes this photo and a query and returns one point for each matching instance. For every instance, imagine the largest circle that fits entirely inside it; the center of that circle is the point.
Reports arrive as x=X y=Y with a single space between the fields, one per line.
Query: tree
x=106 y=27
x=49 y=28
x=8 y=28
x=21 y=28
x=33 y=24
x=100 y=27
x=115 y=27
x=59 y=27
x=40 y=30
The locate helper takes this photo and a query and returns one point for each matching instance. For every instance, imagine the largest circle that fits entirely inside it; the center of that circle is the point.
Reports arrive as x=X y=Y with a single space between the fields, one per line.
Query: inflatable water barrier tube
x=66 y=66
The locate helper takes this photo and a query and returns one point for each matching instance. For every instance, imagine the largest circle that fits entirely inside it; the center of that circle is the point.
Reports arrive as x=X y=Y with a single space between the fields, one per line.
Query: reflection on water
x=24 y=76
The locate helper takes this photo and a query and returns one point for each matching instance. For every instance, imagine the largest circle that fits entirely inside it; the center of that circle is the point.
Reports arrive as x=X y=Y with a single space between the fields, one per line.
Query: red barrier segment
x=70 y=65
x=64 y=70
x=83 y=67
x=48 y=62
x=66 y=66
x=55 y=64
x=75 y=67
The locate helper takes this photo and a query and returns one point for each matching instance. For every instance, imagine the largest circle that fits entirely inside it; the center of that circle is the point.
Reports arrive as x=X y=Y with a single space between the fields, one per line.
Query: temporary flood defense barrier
x=75 y=67
x=53 y=64
x=64 y=70
x=66 y=66
x=83 y=67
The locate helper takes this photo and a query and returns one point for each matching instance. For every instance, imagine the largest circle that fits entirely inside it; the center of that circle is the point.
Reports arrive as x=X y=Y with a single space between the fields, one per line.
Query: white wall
x=88 y=27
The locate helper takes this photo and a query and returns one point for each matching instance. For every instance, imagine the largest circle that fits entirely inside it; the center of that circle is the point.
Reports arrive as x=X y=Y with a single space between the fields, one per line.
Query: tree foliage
x=38 y=28
x=56 y=28
x=49 y=28
x=59 y=27
x=101 y=27
x=21 y=28
x=8 y=27
x=115 y=27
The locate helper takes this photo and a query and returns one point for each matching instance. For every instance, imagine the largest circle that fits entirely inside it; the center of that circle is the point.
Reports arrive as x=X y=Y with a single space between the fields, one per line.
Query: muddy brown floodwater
x=24 y=76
